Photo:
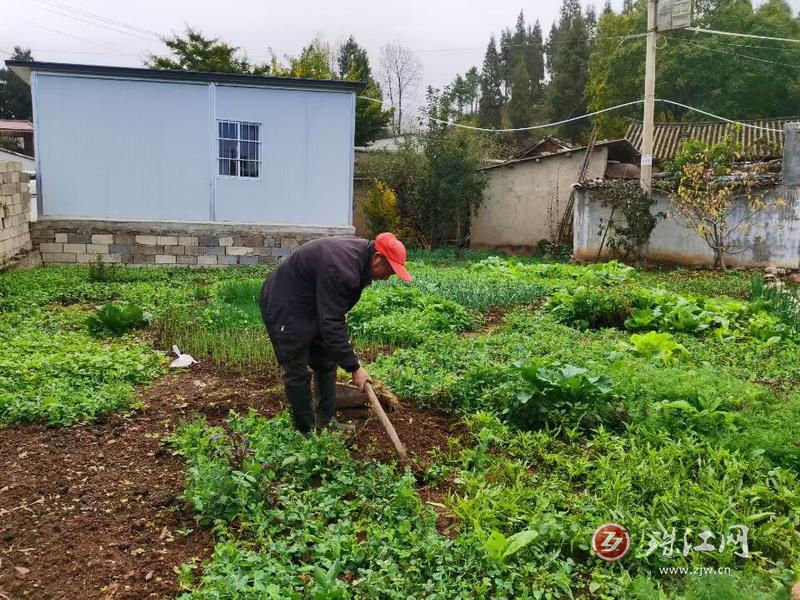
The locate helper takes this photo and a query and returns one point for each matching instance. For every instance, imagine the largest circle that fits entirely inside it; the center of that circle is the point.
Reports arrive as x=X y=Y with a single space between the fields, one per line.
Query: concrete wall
x=15 y=238
x=28 y=165
x=151 y=148
x=774 y=238
x=524 y=201
x=170 y=244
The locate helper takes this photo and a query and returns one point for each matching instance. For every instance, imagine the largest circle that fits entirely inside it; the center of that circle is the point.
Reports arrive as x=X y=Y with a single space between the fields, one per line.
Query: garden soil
x=94 y=511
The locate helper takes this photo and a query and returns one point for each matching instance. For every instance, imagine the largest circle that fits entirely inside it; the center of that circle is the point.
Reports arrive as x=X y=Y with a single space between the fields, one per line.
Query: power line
x=719 y=118
x=592 y=114
x=98 y=17
x=75 y=37
x=747 y=56
x=756 y=47
x=88 y=21
x=530 y=128
x=744 y=35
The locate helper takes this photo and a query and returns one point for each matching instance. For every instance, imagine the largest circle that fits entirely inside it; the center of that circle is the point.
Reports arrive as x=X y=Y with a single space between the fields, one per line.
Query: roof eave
x=24 y=68
x=21 y=71
x=539 y=157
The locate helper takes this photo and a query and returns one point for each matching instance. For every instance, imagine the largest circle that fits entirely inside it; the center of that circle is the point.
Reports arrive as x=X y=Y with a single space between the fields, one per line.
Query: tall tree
x=739 y=80
x=491 y=102
x=353 y=61
x=314 y=62
x=534 y=59
x=504 y=56
x=472 y=82
x=521 y=106
x=194 y=52
x=464 y=92
x=371 y=120
x=591 y=21
x=401 y=72
x=452 y=188
x=458 y=92
x=568 y=65
x=15 y=94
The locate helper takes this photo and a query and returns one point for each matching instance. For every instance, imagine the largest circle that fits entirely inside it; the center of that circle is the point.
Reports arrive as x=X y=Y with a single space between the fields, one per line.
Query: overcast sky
x=448 y=36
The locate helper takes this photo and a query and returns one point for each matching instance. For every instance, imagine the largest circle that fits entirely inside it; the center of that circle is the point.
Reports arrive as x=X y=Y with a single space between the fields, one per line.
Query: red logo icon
x=611 y=542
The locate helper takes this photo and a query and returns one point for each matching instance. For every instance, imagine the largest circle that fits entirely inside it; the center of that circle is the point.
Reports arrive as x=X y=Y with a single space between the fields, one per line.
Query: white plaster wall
x=524 y=202
x=28 y=165
x=773 y=239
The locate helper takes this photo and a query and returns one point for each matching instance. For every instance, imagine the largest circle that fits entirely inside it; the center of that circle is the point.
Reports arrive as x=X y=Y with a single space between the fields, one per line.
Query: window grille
x=239 y=149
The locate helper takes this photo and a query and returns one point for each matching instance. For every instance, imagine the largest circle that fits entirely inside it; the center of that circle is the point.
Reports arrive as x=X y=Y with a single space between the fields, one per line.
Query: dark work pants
x=296 y=375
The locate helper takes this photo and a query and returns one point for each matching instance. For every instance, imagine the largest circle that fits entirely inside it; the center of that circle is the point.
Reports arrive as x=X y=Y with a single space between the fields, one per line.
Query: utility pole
x=649 y=98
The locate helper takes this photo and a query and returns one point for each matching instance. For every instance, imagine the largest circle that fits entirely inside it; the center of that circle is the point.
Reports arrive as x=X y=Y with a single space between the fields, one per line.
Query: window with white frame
x=239 y=149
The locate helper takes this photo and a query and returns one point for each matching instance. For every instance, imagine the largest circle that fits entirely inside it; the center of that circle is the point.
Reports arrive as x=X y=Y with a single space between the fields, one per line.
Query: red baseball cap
x=393 y=250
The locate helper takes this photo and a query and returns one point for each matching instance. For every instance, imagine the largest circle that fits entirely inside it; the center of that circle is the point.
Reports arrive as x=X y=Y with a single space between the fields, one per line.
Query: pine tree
x=567 y=63
x=519 y=41
x=459 y=93
x=506 y=62
x=520 y=107
x=472 y=80
x=491 y=101
x=372 y=121
x=534 y=60
x=353 y=62
x=591 y=21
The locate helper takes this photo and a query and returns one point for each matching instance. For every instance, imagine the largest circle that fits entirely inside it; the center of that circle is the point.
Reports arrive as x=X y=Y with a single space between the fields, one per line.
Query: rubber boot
x=325 y=384
x=300 y=399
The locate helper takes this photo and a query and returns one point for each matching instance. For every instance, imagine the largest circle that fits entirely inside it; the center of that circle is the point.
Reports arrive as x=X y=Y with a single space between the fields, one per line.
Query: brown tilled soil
x=93 y=511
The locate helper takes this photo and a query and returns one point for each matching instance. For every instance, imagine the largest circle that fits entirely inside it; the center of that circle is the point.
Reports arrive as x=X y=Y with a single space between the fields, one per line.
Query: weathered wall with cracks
x=773 y=238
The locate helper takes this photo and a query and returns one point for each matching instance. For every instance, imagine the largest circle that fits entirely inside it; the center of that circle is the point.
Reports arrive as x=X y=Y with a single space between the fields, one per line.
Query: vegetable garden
x=538 y=401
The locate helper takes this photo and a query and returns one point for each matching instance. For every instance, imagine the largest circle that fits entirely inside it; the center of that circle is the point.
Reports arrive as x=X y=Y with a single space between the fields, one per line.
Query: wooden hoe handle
x=387 y=424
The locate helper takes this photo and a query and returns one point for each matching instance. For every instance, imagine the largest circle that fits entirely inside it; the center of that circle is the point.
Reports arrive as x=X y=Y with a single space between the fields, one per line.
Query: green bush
x=559 y=395
x=590 y=307
x=661 y=345
x=405 y=316
x=100 y=272
x=117 y=318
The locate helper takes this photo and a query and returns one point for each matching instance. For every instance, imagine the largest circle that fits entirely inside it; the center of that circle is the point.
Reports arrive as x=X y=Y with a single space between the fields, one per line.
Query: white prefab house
x=147 y=145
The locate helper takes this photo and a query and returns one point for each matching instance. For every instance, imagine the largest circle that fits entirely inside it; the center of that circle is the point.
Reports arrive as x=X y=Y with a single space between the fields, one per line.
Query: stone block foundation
x=15 y=210
x=63 y=240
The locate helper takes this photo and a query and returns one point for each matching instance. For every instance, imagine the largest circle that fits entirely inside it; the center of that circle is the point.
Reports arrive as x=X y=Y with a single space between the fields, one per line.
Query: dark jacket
x=309 y=294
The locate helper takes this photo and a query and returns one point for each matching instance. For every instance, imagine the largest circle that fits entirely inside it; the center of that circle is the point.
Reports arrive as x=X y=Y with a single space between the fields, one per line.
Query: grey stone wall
x=170 y=243
x=15 y=210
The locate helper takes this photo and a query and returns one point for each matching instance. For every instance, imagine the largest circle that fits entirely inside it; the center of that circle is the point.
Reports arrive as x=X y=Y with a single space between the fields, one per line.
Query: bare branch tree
x=401 y=72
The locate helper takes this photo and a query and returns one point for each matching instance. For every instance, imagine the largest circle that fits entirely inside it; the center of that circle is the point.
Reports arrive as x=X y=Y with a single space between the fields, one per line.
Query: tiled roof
x=758 y=144
x=623 y=146
x=12 y=125
x=536 y=147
